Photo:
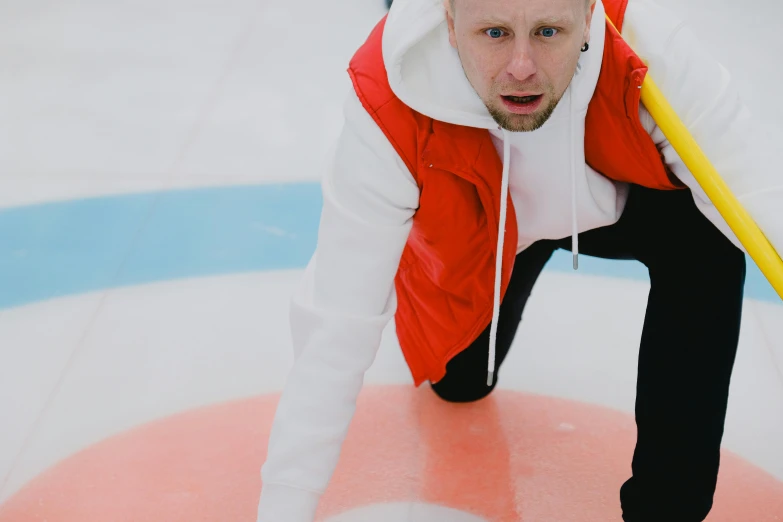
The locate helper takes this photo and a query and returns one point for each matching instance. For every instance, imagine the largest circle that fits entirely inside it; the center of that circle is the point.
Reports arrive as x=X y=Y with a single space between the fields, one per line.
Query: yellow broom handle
x=747 y=231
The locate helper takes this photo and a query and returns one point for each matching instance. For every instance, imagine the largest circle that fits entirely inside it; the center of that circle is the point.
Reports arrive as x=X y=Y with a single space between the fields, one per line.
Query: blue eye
x=495 y=33
x=548 y=32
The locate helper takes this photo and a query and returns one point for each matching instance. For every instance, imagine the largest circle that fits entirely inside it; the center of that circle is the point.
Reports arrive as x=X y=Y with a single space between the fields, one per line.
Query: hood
x=425 y=71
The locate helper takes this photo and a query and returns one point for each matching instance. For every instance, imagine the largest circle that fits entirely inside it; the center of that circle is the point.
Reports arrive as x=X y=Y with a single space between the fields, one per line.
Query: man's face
x=519 y=55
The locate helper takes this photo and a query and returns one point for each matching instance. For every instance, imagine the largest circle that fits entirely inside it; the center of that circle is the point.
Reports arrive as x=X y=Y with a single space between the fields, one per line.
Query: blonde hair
x=588 y=3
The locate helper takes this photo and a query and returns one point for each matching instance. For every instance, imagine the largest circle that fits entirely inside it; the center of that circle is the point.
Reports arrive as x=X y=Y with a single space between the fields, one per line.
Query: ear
x=450 y=22
x=589 y=20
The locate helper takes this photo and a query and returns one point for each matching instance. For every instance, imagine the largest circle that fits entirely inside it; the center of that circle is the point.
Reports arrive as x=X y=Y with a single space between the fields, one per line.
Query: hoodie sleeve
x=338 y=313
x=700 y=90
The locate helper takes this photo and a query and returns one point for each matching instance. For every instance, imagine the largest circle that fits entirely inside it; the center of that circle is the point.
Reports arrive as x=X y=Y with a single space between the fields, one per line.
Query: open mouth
x=522 y=104
x=523 y=100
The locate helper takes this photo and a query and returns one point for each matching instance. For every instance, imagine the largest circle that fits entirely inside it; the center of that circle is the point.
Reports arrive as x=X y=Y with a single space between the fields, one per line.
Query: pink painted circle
x=508 y=458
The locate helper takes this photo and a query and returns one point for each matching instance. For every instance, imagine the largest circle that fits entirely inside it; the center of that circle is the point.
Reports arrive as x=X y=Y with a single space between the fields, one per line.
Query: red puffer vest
x=445 y=280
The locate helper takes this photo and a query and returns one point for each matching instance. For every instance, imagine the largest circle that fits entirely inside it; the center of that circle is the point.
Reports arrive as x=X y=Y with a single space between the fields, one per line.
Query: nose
x=522 y=65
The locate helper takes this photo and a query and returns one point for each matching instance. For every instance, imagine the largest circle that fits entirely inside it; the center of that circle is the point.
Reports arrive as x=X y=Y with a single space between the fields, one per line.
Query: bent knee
x=716 y=261
x=461 y=392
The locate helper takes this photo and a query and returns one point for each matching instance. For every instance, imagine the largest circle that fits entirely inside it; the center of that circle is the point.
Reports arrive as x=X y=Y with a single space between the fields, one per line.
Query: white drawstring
x=493 y=329
x=574 y=221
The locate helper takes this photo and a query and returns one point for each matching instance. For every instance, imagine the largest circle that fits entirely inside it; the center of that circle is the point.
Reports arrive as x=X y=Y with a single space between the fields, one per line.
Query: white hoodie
x=347 y=297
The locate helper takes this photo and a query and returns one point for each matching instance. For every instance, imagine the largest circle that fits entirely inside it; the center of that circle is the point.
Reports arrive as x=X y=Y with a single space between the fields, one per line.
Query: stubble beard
x=521 y=122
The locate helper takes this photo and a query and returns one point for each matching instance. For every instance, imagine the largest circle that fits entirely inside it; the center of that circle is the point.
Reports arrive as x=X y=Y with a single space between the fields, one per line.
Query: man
x=481 y=136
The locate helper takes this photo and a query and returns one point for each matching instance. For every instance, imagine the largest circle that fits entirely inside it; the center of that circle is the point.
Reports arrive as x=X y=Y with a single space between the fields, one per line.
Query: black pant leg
x=687 y=353
x=466 y=374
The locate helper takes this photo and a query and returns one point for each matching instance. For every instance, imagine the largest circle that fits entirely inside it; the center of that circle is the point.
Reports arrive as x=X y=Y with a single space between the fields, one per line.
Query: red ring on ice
x=508 y=458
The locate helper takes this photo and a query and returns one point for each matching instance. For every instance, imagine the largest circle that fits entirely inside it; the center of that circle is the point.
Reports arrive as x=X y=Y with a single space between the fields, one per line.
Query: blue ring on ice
x=71 y=247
